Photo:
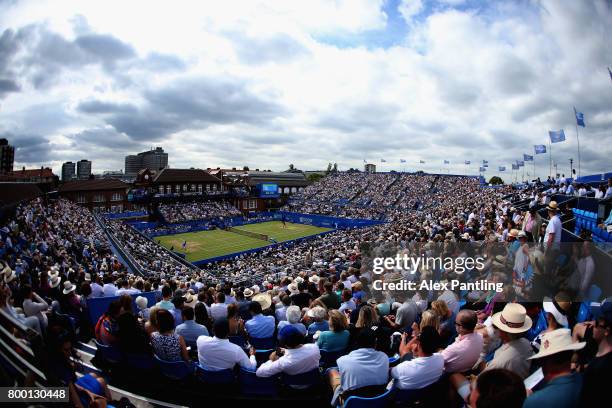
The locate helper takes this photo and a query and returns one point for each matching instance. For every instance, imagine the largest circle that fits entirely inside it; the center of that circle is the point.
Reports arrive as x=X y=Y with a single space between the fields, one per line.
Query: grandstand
x=90 y=269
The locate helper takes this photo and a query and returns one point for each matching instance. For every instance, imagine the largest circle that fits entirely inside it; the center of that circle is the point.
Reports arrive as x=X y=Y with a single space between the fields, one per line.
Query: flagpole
x=550 y=158
x=578 y=141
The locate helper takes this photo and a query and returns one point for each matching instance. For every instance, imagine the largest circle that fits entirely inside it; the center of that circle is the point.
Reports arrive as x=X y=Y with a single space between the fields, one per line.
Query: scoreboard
x=268 y=190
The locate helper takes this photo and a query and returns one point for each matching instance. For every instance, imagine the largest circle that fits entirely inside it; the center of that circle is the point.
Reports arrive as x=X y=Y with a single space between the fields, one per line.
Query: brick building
x=104 y=195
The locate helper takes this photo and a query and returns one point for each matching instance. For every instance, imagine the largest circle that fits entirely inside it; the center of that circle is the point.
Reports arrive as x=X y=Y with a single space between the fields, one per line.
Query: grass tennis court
x=209 y=244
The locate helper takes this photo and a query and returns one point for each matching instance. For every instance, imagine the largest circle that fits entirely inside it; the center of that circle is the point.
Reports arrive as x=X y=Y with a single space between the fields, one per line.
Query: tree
x=335 y=170
x=245 y=168
x=314 y=177
x=329 y=168
x=291 y=167
x=495 y=180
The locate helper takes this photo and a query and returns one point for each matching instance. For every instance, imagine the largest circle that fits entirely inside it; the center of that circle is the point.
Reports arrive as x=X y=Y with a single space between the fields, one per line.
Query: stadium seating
x=379 y=401
x=251 y=385
x=140 y=361
x=110 y=354
x=328 y=358
x=174 y=370
x=210 y=377
x=304 y=380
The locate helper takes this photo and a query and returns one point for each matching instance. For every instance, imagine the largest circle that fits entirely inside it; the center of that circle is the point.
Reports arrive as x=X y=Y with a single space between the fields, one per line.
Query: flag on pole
x=467 y=162
x=556 y=136
x=502 y=168
x=422 y=161
x=539 y=149
x=515 y=166
x=402 y=161
x=383 y=161
x=579 y=117
x=446 y=162
x=520 y=163
x=527 y=157
x=482 y=169
x=365 y=161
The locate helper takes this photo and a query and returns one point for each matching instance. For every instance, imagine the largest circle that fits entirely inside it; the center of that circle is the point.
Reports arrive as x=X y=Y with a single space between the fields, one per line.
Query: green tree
x=329 y=168
x=314 y=177
x=495 y=180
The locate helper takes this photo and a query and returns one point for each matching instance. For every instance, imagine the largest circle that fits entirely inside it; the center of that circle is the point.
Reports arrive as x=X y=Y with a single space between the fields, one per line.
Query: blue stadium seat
x=220 y=377
x=240 y=341
x=174 y=370
x=584 y=313
x=140 y=361
x=433 y=395
x=251 y=385
x=262 y=344
x=393 y=360
x=328 y=358
x=594 y=294
x=109 y=353
x=380 y=401
x=307 y=379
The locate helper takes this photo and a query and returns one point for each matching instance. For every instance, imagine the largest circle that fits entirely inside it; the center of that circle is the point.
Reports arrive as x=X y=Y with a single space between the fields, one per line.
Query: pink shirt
x=463 y=353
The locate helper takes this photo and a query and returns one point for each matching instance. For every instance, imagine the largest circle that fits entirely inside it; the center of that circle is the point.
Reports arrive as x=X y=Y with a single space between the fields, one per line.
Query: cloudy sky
x=268 y=83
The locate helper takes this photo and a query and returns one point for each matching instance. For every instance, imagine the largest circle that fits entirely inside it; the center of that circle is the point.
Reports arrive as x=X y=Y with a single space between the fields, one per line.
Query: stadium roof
x=13 y=193
x=184 y=175
x=93 y=185
x=282 y=179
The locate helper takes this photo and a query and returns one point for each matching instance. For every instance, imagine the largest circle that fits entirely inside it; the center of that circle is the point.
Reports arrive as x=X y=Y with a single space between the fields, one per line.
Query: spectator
x=337 y=337
x=294 y=315
x=296 y=357
x=217 y=353
x=515 y=351
x=34 y=305
x=143 y=310
x=166 y=344
x=562 y=387
x=106 y=328
x=330 y=298
x=218 y=310
x=318 y=315
x=235 y=322
x=461 y=355
x=201 y=316
x=498 y=388
x=363 y=372
x=347 y=301
x=259 y=326
x=189 y=329
x=599 y=371
x=166 y=302
x=425 y=367
x=131 y=336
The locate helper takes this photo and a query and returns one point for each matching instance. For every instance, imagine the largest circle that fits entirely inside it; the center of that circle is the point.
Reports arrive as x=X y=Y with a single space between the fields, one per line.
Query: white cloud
x=256 y=88
x=410 y=8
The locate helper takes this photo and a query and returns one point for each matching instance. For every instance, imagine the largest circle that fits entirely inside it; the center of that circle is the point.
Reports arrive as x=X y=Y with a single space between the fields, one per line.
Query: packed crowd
x=317 y=295
x=197 y=210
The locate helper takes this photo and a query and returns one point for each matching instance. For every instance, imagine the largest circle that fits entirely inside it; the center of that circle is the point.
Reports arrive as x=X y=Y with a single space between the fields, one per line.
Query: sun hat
x=552 y=206
x=248 y=293
x=512 y=319
x=555 y=342
x=263 y=299
x=293 y=289
x=314 y=279
x=514 y=233
x=316 y=312
x=87 y=277
x=54 y=281
x=190 y=300
x=558 y=308
x=68 y=287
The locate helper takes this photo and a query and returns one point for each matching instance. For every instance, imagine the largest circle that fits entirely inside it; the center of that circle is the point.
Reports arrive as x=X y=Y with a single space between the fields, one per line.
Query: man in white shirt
x=552 y=238
x=426 y=367
x=109 y=289
x=298 y=358
x=217 y=353
x=218 y=309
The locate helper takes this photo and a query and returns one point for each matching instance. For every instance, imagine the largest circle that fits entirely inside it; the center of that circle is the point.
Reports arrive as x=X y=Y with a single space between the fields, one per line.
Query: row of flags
x=556 y=136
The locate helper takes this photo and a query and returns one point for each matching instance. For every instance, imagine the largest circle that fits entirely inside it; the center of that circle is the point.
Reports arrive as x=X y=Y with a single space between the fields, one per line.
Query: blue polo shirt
x=562 y=392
